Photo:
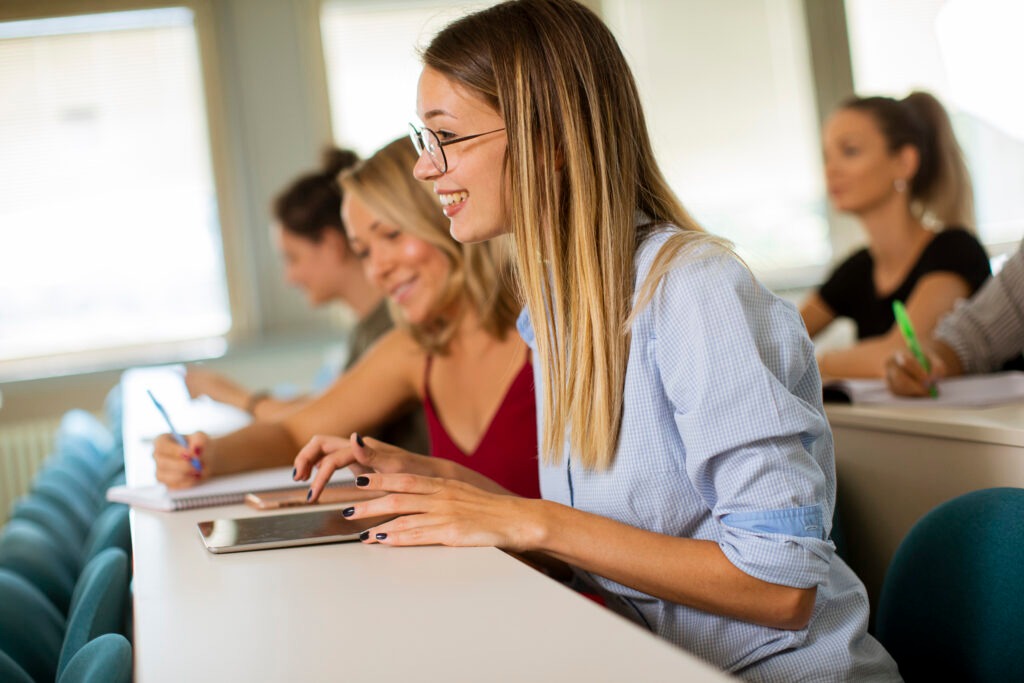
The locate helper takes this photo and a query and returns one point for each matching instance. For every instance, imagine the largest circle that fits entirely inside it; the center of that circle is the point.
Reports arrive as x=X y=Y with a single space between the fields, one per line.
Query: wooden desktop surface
x=358 y=612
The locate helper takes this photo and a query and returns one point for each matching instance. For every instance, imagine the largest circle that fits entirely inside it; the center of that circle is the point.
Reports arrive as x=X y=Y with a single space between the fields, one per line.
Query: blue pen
x=174 y=432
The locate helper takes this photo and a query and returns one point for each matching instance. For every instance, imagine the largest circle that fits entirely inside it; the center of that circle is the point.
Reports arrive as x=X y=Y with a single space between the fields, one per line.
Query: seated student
x=895 y=165
x=688 y=470
x=454 y=348
x=309 y=235
x=978 y=336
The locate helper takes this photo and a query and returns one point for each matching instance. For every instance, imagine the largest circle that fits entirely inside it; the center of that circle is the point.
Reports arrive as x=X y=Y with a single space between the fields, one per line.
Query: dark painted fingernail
x=359 y=440
x=364 y=536
x=295 y=472
x=348 y=512
x=381 y=536
x=362 y=481
x=309 y=494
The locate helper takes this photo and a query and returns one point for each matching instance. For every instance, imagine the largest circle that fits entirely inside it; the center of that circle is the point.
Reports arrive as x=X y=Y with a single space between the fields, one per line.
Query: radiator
x=23 y=447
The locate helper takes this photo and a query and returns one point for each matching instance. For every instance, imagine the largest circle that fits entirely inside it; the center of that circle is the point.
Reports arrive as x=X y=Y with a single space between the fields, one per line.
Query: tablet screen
x=281 y=531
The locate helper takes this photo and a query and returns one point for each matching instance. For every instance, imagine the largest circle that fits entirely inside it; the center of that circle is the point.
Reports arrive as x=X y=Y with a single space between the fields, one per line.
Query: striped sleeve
x=988 y=330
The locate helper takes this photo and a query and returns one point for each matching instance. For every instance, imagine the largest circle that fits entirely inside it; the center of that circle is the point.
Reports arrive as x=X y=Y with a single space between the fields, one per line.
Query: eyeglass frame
x=416 y=135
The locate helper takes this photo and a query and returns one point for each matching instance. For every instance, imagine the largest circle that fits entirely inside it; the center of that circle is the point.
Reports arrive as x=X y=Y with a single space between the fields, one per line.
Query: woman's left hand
x=438 y=511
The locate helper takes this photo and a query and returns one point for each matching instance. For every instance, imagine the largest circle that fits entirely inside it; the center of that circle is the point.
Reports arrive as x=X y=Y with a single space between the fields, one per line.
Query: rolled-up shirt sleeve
x=739 y=370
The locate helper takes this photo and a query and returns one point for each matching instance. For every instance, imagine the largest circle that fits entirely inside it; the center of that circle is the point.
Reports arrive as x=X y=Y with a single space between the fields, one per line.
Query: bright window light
x=109 y=232
x=728 y=93
x=373 y=66
x=968 y=53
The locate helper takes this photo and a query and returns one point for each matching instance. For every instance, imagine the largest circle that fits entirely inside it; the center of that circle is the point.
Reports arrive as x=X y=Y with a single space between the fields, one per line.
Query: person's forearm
x=687 y=571
x=864 y=359
x=271 y=409
x=257 y=446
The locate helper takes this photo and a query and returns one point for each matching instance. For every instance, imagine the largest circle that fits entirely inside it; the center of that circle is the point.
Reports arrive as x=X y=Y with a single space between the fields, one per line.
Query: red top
x=507 y=453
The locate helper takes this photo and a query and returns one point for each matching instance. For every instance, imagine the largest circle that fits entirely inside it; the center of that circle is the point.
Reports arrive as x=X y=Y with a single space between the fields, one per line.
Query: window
x=728 y=94
x=108 y=216
x=372 y=64
x=968 y=53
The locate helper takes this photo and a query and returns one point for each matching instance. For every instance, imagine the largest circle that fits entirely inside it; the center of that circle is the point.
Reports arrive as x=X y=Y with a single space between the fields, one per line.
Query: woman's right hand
x=360 y=454
x=176 y=466
x=905 y=376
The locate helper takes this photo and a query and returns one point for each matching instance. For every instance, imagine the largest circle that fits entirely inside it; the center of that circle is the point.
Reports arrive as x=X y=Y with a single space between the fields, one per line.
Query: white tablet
x=281 y=531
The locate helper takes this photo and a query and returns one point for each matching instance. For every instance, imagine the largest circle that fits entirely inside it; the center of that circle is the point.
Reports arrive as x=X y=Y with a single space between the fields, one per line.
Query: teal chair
x=51 y=518
x=11 y=671
x=31 y=628
x=952 y=603
x=26 y=549
x=110 y=530
x=72 y=482
x=79 y=513
x=106 y=659
x=80 y=429
x=98 y=603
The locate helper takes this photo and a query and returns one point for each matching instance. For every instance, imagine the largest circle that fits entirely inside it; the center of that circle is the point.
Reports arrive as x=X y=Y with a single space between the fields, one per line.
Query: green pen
x=903 y=320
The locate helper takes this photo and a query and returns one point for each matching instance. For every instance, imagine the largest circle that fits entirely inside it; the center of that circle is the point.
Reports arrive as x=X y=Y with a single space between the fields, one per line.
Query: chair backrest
x=52 y=518
x=26 y=549
x=952 y=603
x=31 y=628
x=110 y=530
x=98 y=603
x=80 y=514
x=11 y=671
x=105 y=659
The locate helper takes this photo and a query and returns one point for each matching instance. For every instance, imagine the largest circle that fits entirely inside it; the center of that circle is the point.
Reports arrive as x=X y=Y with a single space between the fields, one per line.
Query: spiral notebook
x=226 y=490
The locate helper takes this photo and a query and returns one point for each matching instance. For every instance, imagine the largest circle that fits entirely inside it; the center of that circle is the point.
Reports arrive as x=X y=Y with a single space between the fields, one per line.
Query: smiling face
x=473 y=189
x=860 y=169
x=409 y=270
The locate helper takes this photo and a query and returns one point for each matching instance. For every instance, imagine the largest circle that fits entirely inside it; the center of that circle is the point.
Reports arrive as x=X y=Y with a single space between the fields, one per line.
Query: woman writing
x=310 y=237
x=454 y=350
x=687 y=467
x=895 y=165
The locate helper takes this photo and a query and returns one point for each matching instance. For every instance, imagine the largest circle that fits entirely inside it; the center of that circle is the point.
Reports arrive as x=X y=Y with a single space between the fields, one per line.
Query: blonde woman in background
x=454 y=350
x=896 y=166
x=687 y=467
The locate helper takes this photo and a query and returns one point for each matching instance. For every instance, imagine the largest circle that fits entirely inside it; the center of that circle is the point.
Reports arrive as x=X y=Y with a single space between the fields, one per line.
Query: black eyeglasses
x=426 y=140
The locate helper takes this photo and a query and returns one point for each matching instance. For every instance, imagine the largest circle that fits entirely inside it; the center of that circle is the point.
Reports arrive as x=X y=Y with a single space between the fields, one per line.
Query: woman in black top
x=896 y=166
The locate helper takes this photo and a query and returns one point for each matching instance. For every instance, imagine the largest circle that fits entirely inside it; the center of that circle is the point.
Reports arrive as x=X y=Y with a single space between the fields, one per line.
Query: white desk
x=894 y=464
x=359 y=612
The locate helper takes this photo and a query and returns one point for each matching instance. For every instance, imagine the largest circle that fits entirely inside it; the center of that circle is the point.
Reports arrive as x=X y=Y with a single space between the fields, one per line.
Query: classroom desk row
x=358 y=612
x=369 y=613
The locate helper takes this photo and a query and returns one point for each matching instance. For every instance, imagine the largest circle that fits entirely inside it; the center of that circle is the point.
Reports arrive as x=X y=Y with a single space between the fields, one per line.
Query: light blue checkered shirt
x=724 y=437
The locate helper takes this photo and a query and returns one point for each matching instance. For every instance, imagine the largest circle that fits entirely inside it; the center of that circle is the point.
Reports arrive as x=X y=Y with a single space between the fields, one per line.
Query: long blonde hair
x=480 y=273
x=580 y=166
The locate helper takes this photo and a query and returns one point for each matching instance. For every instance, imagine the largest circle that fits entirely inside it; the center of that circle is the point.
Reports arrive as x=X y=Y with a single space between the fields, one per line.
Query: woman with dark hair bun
x=310 y=235
x=896 y=166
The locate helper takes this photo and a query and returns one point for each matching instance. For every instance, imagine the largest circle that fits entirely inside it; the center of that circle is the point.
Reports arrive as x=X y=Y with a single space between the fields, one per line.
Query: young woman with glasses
x=687 y=465
x=454 y=350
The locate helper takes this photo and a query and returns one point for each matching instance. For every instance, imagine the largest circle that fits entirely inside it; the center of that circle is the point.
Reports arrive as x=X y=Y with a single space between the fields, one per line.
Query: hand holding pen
x=910 y=337
x=192 y=457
